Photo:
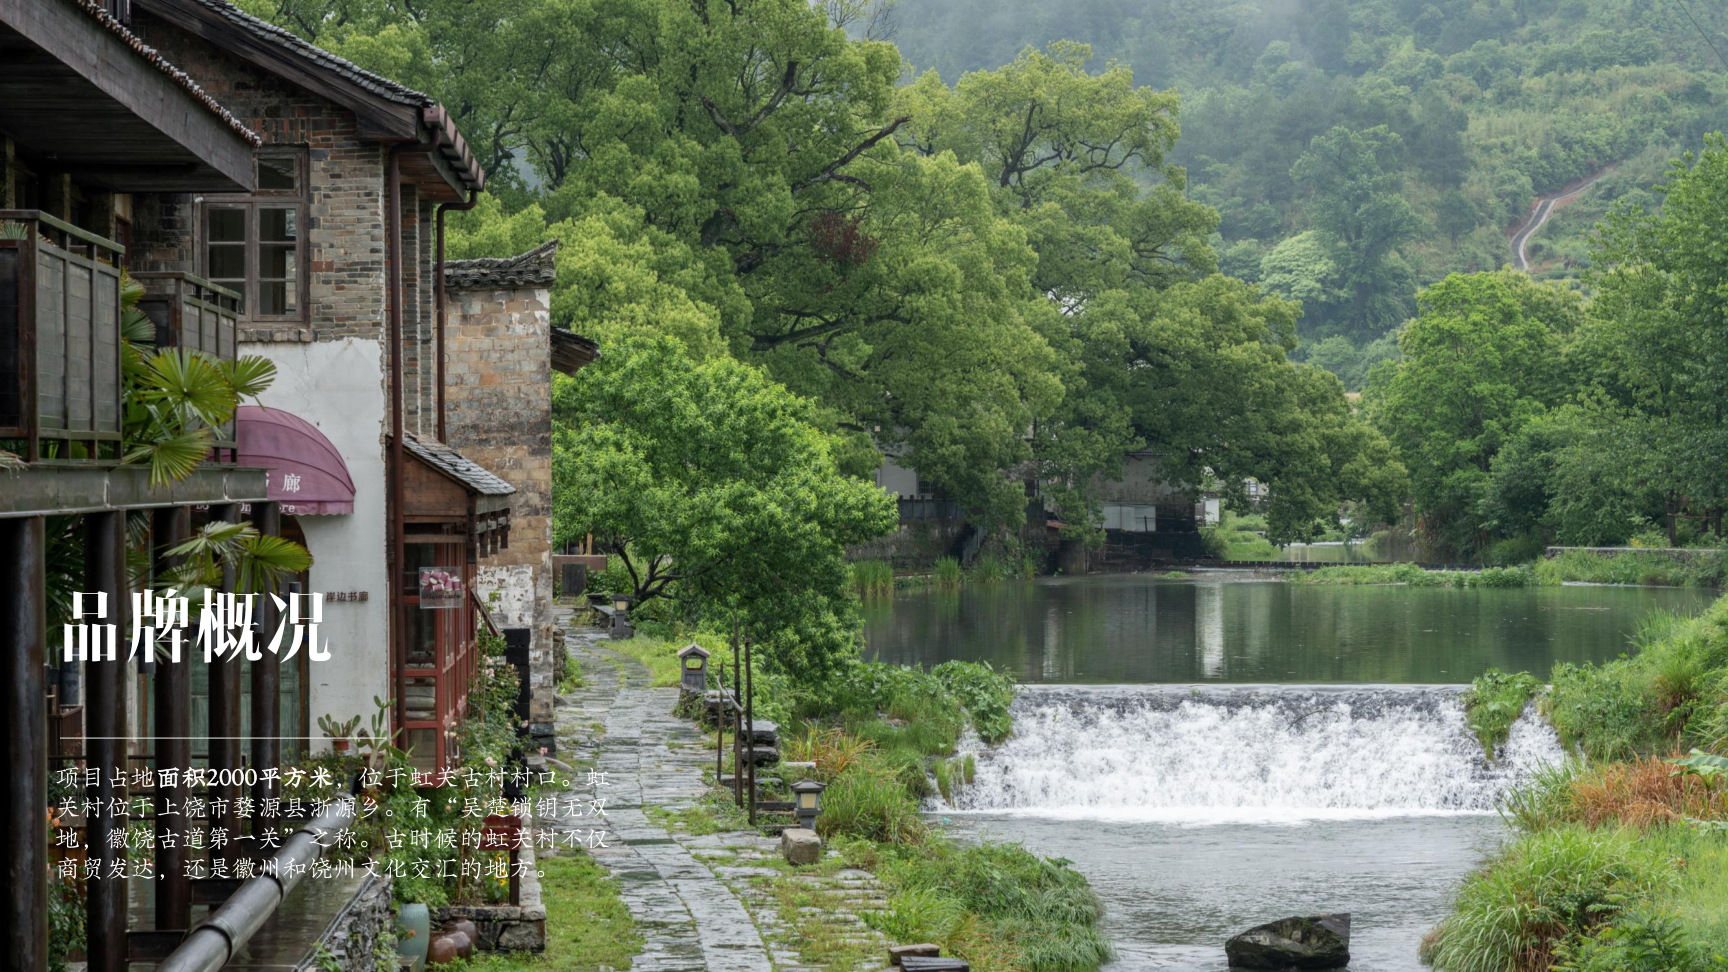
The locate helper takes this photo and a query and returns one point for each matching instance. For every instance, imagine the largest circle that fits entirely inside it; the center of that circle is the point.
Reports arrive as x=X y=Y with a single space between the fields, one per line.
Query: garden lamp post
x=621 y=616
x=693 y=666
x=807 y=802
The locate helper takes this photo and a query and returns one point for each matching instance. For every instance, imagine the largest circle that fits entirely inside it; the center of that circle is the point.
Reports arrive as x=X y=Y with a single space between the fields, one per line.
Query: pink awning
x=307 y=474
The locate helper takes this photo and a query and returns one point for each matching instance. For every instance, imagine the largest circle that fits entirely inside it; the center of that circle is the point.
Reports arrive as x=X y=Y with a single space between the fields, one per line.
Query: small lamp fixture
x=621 y=627
x=693 y=665
x=807 y=802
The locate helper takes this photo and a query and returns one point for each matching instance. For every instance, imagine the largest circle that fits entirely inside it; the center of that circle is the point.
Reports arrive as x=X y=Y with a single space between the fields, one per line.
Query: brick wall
x=498 y=389
x=345 y=227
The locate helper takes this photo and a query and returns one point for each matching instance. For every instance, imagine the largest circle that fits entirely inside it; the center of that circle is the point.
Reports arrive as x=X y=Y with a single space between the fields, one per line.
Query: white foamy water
x=1275 y=754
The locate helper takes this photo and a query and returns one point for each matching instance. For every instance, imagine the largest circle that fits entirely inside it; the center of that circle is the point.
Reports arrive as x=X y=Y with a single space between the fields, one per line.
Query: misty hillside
x=1467 y=110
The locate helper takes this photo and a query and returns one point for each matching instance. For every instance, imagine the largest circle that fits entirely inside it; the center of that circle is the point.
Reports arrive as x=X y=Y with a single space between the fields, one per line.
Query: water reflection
x=1141 y=629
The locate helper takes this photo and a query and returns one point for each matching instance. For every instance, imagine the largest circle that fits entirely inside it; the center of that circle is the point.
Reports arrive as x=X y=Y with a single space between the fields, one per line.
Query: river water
x=1219 y=752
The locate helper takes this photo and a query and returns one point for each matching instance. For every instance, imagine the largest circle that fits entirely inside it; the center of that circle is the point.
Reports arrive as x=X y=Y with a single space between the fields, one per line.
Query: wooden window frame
x=295 y=200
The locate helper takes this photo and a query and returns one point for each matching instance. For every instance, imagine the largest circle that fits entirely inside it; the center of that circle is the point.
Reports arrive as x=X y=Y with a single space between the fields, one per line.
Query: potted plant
x=339 y=733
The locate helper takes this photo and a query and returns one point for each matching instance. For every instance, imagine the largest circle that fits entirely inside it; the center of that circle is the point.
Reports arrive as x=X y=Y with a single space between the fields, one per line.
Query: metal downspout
x=438 y=300
x=230 y=927
x=393 y=294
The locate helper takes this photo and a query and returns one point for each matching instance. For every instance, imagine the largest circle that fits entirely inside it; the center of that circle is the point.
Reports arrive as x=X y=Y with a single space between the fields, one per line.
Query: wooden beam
x=43 y=489
x=24 y=743
x=105 y=746
x=103 y=61
x=379 y=117
x=172 y=687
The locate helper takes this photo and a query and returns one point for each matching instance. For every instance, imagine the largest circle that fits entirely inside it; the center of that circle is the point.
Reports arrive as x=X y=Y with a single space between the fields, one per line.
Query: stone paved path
x=702 y=903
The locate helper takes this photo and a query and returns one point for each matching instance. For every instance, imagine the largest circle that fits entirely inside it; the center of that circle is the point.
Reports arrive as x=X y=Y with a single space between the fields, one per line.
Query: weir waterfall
x=1263 y=754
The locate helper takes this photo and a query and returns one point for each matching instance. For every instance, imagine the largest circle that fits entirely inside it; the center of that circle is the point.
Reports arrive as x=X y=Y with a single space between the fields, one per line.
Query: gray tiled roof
x=456 y=465
x=531 y=269
x=161 y=63
x=380 y=86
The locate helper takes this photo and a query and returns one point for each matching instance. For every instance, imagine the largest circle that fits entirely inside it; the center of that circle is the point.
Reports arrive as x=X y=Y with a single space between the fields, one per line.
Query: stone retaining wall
x=358 y=932
x=506 y=927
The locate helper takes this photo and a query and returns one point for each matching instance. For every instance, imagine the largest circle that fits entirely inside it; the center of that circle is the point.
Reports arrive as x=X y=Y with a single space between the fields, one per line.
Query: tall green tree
x=1354 y=182
x=1657 y=341
x=711 y=486
x=1481 y=361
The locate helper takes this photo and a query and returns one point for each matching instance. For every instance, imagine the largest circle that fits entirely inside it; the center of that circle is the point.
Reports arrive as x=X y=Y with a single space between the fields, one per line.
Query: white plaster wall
x=338 y=386
x=515 y=585
x=896 y=479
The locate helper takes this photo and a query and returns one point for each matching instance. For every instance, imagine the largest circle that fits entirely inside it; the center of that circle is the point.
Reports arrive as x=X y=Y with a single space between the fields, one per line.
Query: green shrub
x=947 y=572
x=872 y=578
x=1414 y=576
x=1494 y=703
x=986 y=694
x=1650 y=568
x=1638 y=943
x=1672 y=690
x=869 y=801
x=1543 y=801
x=1540 y=891
x=1602 y=710
x=1040 y=911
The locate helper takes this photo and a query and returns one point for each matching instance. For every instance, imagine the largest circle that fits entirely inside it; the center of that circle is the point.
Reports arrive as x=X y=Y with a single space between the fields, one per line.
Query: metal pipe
x=395 y=519
x=230 y=927
x=438 y=300
x=23 y=831
x=105 y=746
x=173 y=690
x=266 y=676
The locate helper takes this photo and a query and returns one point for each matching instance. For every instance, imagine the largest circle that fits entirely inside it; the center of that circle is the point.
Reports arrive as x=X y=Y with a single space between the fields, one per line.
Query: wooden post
x=732 y=707
x=750 y=726
x=224 y=730
x=24 y=738
x=266 y=683
x=720 y=727
x=106 y=750
x=173 y=698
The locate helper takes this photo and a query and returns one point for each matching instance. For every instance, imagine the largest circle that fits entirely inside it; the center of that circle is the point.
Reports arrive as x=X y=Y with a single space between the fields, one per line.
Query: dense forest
x=1357 y=150
x=1010 y=243
x=1000 y=282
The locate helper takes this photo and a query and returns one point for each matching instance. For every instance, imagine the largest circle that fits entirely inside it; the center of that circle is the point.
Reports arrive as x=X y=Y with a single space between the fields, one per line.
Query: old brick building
x=502 y=350
x=335 y=255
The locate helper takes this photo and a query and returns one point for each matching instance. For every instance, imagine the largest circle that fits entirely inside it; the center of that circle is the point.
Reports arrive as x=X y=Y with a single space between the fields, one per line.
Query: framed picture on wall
x=440 y=587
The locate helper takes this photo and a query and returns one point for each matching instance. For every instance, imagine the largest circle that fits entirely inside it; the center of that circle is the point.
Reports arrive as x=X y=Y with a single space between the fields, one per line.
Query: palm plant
x=259 y=563
x=174 y=399
x=176 y=396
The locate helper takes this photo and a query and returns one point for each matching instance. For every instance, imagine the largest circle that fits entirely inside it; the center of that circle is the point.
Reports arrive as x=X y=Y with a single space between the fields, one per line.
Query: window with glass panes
x=255 y=244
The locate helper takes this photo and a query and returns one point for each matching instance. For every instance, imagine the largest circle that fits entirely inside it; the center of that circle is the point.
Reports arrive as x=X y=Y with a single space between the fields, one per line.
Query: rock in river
x=1314 y=942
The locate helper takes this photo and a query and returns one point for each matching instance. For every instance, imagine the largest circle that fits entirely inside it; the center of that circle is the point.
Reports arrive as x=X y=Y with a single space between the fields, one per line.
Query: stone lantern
x=693 y=666
x=621 y=627
x=807 y=802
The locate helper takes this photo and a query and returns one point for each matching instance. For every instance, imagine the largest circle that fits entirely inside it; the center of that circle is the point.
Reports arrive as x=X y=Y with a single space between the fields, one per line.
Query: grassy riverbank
x=1632 y=567
x=588 y=926
x=1414 y=576
x=877 y=578
x=884 y=739
x=1620 y=860
x=1706 y=568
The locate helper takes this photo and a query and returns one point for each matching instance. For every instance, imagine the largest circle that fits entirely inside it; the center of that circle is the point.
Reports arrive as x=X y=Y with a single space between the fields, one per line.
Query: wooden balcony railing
x=60 y=384
x=191 y=312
